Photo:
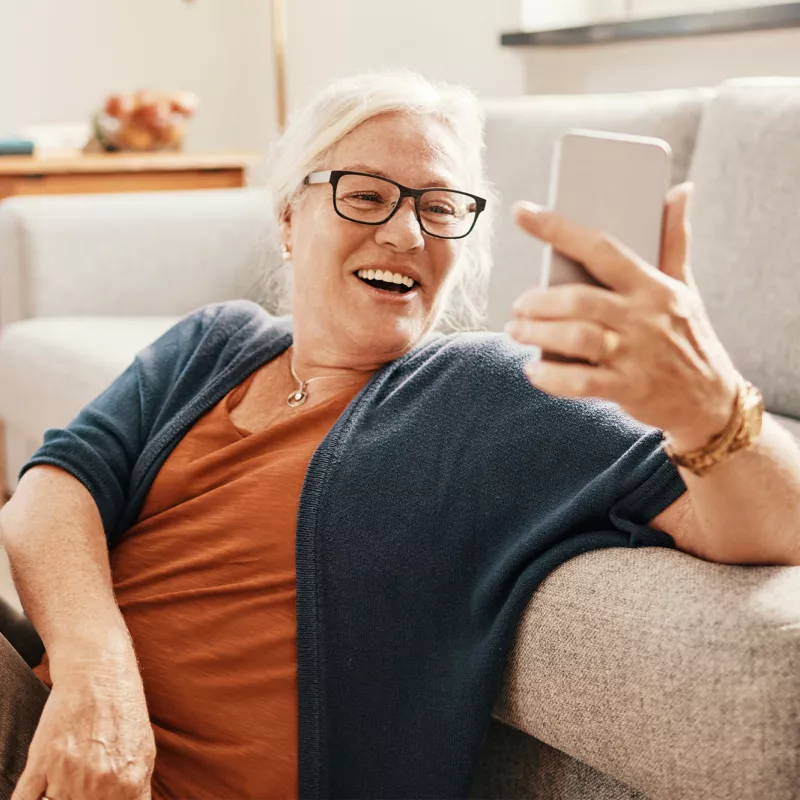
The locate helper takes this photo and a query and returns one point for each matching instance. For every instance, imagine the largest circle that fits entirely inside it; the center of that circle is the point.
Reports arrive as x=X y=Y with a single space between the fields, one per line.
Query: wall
x=452 y=40
x=661 y=63
x=60 y=59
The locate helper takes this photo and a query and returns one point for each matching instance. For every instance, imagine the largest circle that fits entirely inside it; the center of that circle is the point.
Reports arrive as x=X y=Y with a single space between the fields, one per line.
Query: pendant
x=298 y=397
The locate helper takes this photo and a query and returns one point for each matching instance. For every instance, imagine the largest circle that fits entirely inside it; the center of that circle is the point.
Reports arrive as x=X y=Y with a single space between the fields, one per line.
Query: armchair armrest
x=678 y=677
x=133 y=254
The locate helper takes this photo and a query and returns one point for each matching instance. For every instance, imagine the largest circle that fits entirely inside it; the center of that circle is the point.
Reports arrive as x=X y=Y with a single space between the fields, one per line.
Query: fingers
x=606 y=258
x=573 y=339
x=574 y=380
x=676 y=237
x=30 y=786
x=572 y=301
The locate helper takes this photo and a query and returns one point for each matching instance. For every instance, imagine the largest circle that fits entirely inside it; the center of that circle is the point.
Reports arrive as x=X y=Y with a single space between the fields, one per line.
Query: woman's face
x=337 y=317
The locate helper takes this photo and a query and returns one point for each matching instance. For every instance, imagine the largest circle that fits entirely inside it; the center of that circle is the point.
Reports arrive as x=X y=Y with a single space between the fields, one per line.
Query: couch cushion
x=50 y=368
x=676 y=676
x=746 y=236
x=515 y=766
x=520 y=136
x=133 y=254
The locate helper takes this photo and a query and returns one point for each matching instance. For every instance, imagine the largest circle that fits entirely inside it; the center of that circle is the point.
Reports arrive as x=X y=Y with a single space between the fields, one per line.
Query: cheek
x=325 y=240
x=445 y=256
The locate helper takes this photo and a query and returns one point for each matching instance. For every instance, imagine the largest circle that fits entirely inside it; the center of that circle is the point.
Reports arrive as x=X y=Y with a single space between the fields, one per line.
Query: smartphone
x=613 y=182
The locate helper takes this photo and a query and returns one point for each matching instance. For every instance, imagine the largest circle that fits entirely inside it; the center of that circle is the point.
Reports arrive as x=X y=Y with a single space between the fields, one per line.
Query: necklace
x=299 y=395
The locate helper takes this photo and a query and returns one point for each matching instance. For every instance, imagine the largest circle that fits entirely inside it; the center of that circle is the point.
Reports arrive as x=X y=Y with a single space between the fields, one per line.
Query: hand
x=94 y=740
x=669 y=370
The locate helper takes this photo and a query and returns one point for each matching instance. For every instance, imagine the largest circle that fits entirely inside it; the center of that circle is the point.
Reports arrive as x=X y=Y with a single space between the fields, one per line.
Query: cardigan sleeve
x=566 y=466
x=620 y=476
x=609 y=471
x=101 y=446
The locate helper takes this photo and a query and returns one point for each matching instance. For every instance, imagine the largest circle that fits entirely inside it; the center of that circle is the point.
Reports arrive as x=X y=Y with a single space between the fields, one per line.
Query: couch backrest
x=746 y=231
x=168 y=253
x=161 y=253
x=520 y=135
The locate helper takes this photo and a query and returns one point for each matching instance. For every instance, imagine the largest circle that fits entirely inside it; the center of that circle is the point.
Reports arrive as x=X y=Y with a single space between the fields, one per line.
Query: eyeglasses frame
x=333 y=176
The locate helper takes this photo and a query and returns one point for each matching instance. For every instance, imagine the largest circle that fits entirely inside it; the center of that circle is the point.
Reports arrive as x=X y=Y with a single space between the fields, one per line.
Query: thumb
x=676 y=237
x=30 y=786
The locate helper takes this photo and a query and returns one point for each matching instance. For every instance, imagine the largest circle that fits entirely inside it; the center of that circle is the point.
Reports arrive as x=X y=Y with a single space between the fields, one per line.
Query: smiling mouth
x=388 y=286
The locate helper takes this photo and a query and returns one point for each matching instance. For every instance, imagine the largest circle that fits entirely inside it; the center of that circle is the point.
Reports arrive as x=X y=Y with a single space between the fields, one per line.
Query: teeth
x=385 y=275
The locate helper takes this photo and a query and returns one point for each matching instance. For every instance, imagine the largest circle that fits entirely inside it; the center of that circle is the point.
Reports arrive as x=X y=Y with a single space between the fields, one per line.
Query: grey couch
x=635 y=674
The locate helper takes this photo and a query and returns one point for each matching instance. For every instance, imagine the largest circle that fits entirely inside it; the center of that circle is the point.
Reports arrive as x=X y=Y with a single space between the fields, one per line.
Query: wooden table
x=122 y=172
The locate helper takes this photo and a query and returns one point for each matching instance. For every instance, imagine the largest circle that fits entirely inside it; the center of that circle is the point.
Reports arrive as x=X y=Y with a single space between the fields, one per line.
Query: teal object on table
x=12 y=146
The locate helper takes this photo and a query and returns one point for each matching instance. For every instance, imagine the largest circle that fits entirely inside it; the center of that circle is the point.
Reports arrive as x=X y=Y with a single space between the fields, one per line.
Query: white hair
x=339 y=109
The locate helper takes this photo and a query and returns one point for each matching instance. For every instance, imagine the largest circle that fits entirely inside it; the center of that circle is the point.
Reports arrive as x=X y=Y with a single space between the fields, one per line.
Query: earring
x=285 y=252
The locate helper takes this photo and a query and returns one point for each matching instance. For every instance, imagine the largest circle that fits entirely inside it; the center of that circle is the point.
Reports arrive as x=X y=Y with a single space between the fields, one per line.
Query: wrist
x=708 y=423
x=741 y=433
x=712 y=423
x=109 y=648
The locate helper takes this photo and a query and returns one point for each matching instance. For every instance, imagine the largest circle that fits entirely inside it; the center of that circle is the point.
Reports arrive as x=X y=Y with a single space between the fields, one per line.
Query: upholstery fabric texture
x=746 y=168
x=705 y=680
x=113 y=269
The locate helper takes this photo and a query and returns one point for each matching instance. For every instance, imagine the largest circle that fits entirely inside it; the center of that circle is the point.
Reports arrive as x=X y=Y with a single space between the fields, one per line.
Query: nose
x=402 y=231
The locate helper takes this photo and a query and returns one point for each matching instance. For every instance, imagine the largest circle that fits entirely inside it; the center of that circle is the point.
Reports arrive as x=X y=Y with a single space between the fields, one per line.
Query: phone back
x=613 y=182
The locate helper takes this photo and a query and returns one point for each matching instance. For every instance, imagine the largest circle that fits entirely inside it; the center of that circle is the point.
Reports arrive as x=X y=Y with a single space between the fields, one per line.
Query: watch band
x=740 y=433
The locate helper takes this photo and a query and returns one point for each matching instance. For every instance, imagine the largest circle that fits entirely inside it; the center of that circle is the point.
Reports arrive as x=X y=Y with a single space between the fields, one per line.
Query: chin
x=394 y=341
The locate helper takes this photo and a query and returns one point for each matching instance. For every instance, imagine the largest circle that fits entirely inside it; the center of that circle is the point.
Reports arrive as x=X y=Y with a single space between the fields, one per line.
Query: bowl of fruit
x=143 y=121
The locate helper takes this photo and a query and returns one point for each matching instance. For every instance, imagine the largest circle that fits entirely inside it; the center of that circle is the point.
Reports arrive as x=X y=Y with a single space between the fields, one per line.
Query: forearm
x=747 y=508
x=54 y=538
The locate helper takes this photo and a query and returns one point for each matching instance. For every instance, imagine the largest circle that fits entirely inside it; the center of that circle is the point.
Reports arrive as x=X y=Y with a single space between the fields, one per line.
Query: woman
x=289 y=554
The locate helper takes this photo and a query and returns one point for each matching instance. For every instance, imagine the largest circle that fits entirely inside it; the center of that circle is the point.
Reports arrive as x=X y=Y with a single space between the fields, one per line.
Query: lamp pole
x=279 y=56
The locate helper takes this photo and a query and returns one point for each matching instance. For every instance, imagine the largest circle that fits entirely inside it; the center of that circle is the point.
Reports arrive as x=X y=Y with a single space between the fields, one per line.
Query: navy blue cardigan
x=447 y=490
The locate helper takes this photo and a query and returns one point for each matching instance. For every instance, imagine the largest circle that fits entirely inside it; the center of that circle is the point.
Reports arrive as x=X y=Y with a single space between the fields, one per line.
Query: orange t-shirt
x=205 y=580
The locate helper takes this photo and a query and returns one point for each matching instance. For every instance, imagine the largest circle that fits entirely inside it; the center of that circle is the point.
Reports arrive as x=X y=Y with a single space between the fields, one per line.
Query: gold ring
x=610 y=346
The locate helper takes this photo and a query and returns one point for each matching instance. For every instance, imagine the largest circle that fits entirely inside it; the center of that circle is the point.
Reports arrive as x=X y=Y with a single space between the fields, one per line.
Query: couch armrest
x=676 y=676
x=133 y=254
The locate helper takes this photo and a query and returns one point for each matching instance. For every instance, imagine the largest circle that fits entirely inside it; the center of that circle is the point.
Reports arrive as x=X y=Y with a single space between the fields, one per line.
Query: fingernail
x=510 y=327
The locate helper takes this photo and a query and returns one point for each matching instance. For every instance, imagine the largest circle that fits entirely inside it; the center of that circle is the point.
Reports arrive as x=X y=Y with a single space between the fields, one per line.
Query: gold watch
x=740 y=433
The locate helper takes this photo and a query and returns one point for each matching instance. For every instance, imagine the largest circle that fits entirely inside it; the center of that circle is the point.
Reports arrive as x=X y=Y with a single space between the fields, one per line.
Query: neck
x=308 y=369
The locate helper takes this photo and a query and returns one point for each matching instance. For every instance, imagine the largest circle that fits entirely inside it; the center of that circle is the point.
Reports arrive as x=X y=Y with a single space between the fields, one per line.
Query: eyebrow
x=435 y=184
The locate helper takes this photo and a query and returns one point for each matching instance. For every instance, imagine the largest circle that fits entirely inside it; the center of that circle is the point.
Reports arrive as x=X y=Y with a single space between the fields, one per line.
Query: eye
x=439 y=208
x=367 y=196
x=363 y=197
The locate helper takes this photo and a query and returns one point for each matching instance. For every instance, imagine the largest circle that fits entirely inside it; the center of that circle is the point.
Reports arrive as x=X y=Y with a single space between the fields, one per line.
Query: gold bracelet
x=740 y=433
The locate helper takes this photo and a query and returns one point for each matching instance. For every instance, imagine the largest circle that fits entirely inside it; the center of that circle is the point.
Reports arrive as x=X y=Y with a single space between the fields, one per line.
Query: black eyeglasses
x=372 y=200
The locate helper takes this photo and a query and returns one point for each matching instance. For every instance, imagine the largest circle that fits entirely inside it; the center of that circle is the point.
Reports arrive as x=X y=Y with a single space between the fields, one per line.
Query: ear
x=285 y=225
